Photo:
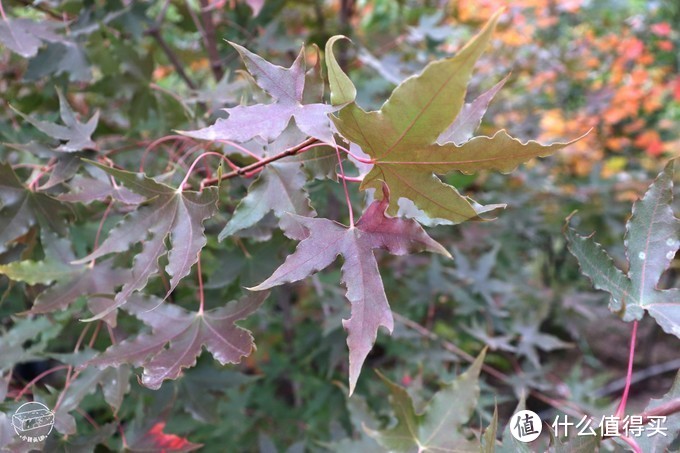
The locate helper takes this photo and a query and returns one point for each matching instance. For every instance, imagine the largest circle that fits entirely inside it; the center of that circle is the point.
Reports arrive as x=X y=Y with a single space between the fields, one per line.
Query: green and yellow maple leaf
x=402 y=137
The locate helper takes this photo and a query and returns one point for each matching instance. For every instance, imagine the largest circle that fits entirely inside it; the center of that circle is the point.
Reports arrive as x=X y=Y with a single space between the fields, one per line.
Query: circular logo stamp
x=526 y=426
x=33 y=422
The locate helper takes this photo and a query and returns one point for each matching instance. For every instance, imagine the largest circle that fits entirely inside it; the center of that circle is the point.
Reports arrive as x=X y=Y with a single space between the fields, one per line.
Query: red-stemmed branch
x=249 y=169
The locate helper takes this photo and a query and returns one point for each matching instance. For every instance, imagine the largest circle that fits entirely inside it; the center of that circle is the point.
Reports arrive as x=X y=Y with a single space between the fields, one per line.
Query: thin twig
x=259 y=164
x=45 y=9
x=344 y=187
x=161 y=15
x=155 y=32
x=669 y=408
x=174 y=60
x=639 y=376
x=631 y=357
x=210 y=40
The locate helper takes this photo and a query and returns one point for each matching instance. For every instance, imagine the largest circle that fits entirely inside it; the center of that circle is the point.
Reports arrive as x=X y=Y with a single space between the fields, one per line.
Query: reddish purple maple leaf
x=286 y=86
x=169 y=213
x=326 y=240
x=185 y=333
x=156 y=439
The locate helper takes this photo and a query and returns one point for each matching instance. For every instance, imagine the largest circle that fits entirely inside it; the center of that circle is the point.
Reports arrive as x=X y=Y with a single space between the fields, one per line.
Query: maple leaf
x=22 y=208
x=65 y=164
x=401 y=137
x=185 y=333
x=326 y=240
x=470 y=117
x=286 y=86
x=169 y=212
x=156 y=440
x=652 y=239
x=439 y=427
x=115 y=383
x=279 y=188
x=200 y=389
x=27 y=341
x=76 y=135
x=99 y=187
x=25 y=36
x=72 y=280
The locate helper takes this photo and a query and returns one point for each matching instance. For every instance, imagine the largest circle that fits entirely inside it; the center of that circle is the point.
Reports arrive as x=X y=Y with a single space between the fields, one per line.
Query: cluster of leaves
x=158 y=282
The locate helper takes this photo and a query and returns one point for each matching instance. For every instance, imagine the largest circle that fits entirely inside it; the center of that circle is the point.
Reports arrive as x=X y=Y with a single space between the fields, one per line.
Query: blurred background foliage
x=151 y=67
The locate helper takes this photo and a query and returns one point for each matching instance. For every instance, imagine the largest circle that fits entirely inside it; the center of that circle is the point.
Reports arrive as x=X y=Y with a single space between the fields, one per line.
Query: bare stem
x=40 y=7
x=201 y=296
x=344 y=186
x=631 y=356
x=301 y=147
x=210 y=41
x=174 y=60
x=37 y=378
x=193 y=165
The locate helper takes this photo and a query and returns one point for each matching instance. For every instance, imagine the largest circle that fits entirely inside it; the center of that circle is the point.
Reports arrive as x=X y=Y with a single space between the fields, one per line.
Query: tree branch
x=155 y=32
x=174 y=60
x=46 y=9
x=210 y=41
x=261 y=163
x=669 y=408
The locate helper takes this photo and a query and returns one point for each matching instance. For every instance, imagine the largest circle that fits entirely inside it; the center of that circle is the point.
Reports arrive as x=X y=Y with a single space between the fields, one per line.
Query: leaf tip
x=567 y=220
x=256 y=288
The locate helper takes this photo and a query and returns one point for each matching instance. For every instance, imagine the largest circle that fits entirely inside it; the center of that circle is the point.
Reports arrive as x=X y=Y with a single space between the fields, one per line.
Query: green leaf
x=439 y=427
x=510 y=444
x=342 y=88
x=13 y=344
x=401 y=138
x=60 y=58
x=489 y=436
x=577 y=443
x=652 y=239
x=21 y=209
x=72 y=280
x=279 y=188
x=76 y=135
